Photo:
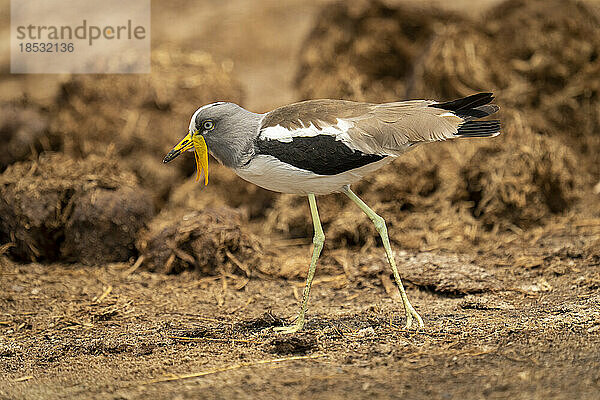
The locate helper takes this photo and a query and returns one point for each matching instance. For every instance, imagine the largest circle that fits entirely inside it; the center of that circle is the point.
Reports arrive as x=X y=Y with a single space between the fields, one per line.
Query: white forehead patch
x=193 y=120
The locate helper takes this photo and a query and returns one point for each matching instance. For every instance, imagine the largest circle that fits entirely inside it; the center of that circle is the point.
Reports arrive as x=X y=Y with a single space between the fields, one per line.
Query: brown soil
x=78 y=210
x=521 y=322
x=375 y=46
x=522 y=180
x=212 y=242
x=498 y=241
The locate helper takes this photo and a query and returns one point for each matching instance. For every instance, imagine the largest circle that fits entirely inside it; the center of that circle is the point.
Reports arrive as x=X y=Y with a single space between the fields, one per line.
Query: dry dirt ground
x=522 y=322
x=515 y=316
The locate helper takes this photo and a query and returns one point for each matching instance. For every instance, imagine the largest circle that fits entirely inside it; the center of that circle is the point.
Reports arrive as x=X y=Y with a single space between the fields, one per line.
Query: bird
x=318 y=147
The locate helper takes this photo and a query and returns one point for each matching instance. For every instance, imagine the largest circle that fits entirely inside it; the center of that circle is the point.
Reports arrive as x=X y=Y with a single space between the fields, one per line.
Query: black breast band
x=321 y=154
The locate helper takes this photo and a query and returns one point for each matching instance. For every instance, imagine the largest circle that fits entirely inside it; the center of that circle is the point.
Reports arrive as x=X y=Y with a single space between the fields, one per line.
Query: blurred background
x=539 y=58
x=82 y=182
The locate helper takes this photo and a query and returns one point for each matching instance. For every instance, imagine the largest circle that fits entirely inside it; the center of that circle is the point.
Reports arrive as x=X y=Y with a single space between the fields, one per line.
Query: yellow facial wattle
x=201 y=155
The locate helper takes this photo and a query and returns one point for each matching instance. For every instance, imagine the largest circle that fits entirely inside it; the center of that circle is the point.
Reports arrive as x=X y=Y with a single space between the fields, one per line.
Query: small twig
x=347 y=327
x=196 y=316
x=352 y=296
x=201 y=339
x=23 y=378
x=415 y=332
x=224 y=284
x=103 y=295
x=230 y=368
x=242 y=284
x=205 y=280
x=339 y=332
x=587 y=223
x=4 y=248
x=324 y=279
x=135 y=266
x=238 y=263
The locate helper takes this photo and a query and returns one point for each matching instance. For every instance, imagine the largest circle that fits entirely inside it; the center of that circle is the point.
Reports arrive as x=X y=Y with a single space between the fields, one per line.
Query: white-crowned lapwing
x=318 y=147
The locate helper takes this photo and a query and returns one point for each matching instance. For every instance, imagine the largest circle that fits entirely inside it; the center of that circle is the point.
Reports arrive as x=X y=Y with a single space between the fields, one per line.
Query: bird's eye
x=208 y=125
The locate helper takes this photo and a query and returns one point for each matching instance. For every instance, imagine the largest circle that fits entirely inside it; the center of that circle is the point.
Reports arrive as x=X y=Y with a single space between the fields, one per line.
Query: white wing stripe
x=339 y=131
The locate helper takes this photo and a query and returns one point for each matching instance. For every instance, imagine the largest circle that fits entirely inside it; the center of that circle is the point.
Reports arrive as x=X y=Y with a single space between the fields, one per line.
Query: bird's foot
x=297 y=326
x=412 y=316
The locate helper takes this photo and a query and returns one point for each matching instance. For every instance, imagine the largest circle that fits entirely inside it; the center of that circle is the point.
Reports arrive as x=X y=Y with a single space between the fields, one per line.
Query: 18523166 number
x=46 y=47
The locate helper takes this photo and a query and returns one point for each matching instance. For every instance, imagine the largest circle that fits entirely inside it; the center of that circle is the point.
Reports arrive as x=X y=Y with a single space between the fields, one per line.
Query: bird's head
x=225 y=129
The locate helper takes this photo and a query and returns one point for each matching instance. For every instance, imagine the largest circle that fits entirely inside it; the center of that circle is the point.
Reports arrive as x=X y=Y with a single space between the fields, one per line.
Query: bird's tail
x=471 y=108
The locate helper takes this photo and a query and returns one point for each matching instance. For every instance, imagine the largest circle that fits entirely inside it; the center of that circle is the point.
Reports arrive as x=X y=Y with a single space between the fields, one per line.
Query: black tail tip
x=479 y=129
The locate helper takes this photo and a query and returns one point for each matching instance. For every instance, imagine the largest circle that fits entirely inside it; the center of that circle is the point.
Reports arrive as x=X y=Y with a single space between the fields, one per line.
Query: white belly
x=270 y=173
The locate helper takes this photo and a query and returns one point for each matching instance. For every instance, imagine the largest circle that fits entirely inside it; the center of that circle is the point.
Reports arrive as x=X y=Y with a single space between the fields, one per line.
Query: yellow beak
x=192 y=140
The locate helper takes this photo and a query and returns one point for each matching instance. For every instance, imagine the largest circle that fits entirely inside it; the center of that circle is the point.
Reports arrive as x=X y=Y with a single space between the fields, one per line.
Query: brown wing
x=317 y=112
x=385 y=129
x=392 y=128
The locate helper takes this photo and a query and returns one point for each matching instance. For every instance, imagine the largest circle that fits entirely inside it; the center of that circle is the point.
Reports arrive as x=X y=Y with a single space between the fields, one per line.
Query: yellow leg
x=318 y=241
x=379 y=223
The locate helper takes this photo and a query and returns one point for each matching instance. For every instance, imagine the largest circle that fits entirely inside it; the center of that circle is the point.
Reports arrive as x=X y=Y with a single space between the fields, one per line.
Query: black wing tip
x=466 y=103
x=471 y=107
